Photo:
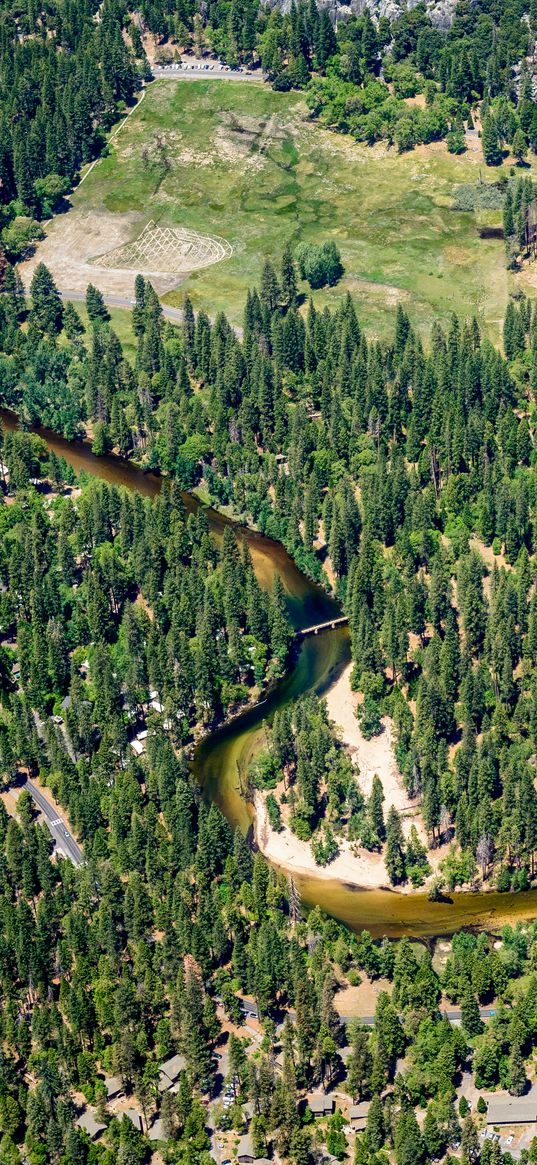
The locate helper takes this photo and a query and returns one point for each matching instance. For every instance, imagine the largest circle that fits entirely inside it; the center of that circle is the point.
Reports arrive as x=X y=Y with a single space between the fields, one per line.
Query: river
x=222 y=758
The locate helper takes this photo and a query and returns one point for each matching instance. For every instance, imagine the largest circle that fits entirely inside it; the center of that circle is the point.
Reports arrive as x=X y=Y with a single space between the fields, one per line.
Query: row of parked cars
x=205 y=66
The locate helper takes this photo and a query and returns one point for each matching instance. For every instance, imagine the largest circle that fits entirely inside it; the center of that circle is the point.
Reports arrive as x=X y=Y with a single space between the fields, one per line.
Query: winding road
x=173 y=314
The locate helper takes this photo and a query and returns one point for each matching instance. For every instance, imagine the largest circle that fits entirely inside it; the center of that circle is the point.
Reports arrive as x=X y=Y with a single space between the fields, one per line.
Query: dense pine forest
x=170 y=999
x=400 y=474
x=66 y=72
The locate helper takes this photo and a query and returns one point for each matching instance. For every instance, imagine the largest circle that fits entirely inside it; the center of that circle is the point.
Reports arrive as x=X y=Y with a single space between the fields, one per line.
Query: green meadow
x=237 y=160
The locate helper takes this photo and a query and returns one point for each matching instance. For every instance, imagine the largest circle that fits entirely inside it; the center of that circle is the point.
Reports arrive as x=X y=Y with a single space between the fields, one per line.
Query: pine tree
x=490 y=143
x=288 y=278
x=517 y=1072
x=95 y=305
x=47 y=310
x=395 y=848
x=375 y=807
x=519 y=145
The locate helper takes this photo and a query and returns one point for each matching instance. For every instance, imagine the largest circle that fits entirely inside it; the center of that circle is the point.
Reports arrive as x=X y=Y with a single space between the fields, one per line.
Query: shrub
x=368 y=717
x=320 y=265
x=273 y=810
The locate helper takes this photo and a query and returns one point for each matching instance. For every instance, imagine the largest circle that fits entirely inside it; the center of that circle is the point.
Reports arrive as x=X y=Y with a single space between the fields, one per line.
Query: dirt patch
x=108 y=250
x=458 y=256
x=10 y=798
x=361 y=1001
x=384 y=293
x=417 y=102
x=246 y=139
x=354 y=866
x=166 y=250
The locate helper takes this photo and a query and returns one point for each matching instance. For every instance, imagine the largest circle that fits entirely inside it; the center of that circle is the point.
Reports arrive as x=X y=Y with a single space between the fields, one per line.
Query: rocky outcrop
x=440 y=11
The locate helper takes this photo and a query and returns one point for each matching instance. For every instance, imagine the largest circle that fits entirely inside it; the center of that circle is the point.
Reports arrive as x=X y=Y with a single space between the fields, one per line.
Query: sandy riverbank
x=364 y=870
x=375 y=756
x=354 y=866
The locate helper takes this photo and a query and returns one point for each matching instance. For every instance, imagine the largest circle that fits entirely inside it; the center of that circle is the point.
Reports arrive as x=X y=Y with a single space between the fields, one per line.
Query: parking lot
x=512 y=1140
x=190 y=67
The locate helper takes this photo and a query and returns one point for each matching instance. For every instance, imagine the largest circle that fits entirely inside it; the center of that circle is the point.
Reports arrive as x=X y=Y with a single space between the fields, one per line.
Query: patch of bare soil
x=361 y=1001
x=76 y=239
x=418 y=101
x=10 y=798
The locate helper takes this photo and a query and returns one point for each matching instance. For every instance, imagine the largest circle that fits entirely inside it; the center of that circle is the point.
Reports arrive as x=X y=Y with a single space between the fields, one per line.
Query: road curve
x=56 y=826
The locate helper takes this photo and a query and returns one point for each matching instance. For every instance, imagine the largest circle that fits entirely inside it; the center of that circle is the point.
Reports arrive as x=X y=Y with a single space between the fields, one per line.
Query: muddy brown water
x=221 y=760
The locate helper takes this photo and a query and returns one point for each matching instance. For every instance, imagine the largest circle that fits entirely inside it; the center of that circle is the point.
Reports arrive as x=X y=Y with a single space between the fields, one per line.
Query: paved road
x=454 y=1016
x=56 y=826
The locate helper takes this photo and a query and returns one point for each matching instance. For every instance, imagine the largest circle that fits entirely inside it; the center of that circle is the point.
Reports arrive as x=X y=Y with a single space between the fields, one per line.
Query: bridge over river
x=317 y=627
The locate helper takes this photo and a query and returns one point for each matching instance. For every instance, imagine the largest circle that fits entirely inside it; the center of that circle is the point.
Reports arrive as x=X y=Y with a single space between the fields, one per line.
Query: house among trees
x=90 y=1125
x=512 y=1110
x=157 y=1131
x=170 y=1071
x=138 y=743
x=320 y=1104
x=135 y=1118
x=358 y=1116
x=249 y=1008
x=114 y=1087
x=245 y=1151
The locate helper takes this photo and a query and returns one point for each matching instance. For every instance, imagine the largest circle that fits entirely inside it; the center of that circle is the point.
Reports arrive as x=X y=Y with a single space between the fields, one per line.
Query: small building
x=245 y=1151
x=249 y=1008
x=137 y=746
x=320 y=1104
x=156 y=1132
x=512 y=1110
x=135 y=1118
x=90 y=1125
x=358 y=1116
x=114 y=1087
x=170 y=1071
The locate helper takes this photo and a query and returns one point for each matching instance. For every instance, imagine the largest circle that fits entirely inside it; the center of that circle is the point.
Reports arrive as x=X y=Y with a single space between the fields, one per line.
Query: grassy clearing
x=246 y=164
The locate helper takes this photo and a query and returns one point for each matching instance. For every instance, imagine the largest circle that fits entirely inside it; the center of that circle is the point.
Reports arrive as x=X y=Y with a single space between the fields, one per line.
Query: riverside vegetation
x=147 y=948
x=398 y=472
x=397 y=467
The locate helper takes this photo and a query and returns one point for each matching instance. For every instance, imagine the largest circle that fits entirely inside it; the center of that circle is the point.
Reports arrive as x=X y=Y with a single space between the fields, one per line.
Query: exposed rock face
x=440 y=11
